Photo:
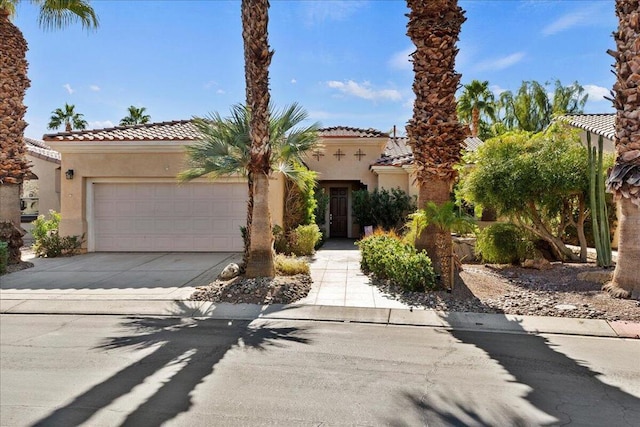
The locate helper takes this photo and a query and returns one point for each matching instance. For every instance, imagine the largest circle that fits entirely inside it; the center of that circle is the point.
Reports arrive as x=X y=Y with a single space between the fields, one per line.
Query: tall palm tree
x=255 y=20
x=68 y=117
x=225 y=147
x=624 y=179
x=136 y=116
x=435 y=135
x=476 y=100
x=13 y=85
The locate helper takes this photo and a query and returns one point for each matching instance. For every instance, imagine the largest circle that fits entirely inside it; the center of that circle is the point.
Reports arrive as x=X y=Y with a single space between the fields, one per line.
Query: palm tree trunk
x=13 y=163
x=435 y=135
x=475 y=121
x=624 y=179
x=255 y=19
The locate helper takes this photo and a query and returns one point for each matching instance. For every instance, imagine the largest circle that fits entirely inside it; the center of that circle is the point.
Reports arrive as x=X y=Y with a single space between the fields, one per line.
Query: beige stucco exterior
x=117 y=162
x=47 y=173
x=342 y=162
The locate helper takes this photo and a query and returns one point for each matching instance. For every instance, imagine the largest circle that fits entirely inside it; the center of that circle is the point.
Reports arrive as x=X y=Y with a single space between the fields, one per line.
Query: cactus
x=599 y=216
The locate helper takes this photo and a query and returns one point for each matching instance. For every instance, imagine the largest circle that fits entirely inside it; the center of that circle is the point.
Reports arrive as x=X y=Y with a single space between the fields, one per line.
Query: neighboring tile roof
x=41 y=150
x=398 y=152
x=599 y=124
x=346 y=131
x=179 y=130
x=183 y=130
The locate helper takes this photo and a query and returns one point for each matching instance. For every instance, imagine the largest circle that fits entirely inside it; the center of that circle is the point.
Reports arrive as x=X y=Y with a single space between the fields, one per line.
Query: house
x=120 y=189
x=596 y=124
x=41 y=188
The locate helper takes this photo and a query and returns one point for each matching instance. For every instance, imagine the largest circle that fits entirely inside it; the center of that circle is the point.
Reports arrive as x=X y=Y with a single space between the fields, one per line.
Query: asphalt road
x=109 y=371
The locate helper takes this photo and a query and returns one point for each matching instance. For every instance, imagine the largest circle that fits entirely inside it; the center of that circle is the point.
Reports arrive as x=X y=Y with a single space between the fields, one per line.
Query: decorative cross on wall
x=317 y=154
x=339 y=154
x=359 y=154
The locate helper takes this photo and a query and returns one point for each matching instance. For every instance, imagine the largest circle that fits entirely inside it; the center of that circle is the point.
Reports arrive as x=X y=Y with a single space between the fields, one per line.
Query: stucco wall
x=151 y=165
x=393 y=178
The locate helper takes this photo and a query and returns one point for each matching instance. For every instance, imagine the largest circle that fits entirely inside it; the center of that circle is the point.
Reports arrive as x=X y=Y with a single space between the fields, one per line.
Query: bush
x=503 y=243
x=47 y=241
x=387 y=257
x=4 y=257
x=382 y=208
x=280 y=243
x=290 y=266
x=304 y=239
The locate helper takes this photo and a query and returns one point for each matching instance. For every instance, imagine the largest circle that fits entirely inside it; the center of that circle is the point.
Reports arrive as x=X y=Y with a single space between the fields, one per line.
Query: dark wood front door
x=338 y=212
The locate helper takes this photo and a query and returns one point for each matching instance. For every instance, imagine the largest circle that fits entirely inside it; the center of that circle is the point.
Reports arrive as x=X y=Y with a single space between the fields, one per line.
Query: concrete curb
x=382 y=316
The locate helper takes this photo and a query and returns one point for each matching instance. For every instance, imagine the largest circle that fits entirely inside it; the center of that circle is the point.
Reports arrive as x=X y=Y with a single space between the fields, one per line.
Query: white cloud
x=582 y=16
x=364 y=90
x=500 y=63
x=95 y=88
x=210 y=84
x=68 y=87
x=293 y=81
x=497 y=90
x=220 y=92
x=400 y=60
x=596 y=93
x=100 y=124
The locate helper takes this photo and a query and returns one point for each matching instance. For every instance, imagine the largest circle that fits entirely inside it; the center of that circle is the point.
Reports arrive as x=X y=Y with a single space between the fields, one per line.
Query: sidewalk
x=340 y=293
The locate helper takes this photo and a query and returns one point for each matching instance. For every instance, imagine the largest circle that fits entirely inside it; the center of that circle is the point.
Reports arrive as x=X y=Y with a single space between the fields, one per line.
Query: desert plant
x=503 y=243
x=4 y=257
x=280 y=243
x=291 y=265
x=387 y=257
x=599 y=215
x=48 y=242
x=384 y=208
x=303 y=240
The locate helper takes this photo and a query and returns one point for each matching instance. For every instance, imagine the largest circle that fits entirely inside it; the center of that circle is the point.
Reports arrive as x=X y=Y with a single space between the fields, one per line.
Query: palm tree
x=435 y=135
x=624 y=179
x=257 y=55
x=225 y=148
x=476 y=100
x=13 y=85
x=136 y=116
x=68 y=117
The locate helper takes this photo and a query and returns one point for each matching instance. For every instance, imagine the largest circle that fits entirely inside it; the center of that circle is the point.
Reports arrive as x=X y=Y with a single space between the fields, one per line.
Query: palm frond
x=56 y=14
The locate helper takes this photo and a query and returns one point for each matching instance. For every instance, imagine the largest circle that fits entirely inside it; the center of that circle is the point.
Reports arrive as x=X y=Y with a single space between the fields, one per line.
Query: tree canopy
x=538 y=180
x=68 y=117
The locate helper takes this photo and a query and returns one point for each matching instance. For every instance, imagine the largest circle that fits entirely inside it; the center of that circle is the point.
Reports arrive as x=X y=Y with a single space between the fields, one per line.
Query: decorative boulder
x=230 y=271
x=538 y=264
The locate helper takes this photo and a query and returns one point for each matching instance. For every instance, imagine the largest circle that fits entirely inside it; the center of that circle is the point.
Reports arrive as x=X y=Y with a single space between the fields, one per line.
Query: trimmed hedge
x=304 y=238
x=387 y=257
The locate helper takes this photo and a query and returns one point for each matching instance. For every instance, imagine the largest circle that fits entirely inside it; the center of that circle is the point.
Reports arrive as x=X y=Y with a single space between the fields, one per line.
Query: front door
x=338 y=212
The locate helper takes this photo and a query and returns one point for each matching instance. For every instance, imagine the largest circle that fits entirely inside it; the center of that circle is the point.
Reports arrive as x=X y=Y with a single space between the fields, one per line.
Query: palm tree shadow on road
x=560 y=389
x=195 y=344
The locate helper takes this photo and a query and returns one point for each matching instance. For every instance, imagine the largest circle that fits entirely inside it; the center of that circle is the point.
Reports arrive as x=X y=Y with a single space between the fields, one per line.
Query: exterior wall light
x=69 y=174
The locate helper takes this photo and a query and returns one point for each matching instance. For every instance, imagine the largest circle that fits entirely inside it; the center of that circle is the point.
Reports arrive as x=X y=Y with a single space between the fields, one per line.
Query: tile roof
x=398 y=152
x=178 y=130
x=41 y=150
x=183 y=130
x=346 y=131
x=599 y=124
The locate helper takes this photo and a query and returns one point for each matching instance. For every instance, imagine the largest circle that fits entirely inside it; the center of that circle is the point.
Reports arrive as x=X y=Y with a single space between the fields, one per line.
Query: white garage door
x=200 y=217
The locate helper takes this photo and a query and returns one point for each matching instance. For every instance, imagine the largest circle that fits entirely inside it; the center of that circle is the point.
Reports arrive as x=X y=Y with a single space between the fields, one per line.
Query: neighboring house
x=596 y=124
x=41 y=188
x=120 y=186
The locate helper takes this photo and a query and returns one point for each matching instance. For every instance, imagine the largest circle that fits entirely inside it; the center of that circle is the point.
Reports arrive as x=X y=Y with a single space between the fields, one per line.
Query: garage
x=161 y=217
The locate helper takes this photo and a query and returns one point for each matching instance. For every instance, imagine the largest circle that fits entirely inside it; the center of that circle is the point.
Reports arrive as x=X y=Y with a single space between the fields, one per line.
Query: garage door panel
x=168 y=217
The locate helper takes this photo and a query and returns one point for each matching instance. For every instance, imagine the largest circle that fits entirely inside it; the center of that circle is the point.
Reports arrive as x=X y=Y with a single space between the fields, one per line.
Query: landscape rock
x=538 y=264
x=597 y=276
x=230 y=271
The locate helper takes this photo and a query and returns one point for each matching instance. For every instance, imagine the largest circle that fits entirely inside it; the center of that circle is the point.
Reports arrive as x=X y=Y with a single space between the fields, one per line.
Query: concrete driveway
x=116 y=276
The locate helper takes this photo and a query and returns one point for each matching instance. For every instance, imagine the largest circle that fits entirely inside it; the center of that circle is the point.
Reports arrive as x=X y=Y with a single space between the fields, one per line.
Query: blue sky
x=346 y=62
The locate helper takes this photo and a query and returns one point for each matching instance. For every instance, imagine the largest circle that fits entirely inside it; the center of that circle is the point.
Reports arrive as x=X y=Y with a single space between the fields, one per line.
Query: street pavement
x=93 y=370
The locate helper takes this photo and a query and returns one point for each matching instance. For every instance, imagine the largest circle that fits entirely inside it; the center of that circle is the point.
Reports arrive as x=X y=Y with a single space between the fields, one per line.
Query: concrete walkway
x=159 y=284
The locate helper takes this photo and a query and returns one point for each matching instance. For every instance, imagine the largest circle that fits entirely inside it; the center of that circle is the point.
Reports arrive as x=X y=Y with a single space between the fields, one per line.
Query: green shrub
x=304 y=239
x=48 y=242
x=280 y=243
x=4 y=257
x=387 y=257
x=384 y=208
x=503 y=243
x=290 y=266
